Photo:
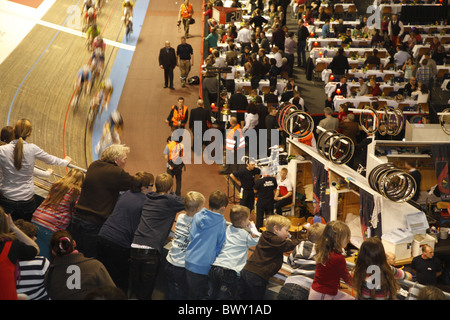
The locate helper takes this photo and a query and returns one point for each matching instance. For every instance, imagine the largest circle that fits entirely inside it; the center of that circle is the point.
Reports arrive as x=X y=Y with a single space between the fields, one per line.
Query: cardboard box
x=420 y=240
x=398 y=242
x=417 y=222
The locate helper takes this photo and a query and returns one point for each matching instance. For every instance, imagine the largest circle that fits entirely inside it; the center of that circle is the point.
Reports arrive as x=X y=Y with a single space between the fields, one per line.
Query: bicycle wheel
x=369 y=121
x=444 y=120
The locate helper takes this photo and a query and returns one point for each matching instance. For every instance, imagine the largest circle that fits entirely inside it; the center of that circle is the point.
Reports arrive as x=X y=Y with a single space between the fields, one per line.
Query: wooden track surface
x=38 y=77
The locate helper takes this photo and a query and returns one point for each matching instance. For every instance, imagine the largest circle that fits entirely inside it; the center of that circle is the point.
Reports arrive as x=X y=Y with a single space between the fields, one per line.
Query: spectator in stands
x=32 y=272
x=363 y=87
x=256 y=71
x=278 y=58
x=174 y=266
x=252 y=119
x=372 y=254
x=422 y=94
x=424 y=73
x=301 y=260
x=341 y=89
x=290 y=47
x=432 y=64
x=91 y=272
x=258 y=20
x=212 y=38
x=223 y=277
x=267 y=258
x=414 y=38
x=376 y=90
x=278 y=37
x=350 y=128
x=264 y=43
x=426 y=266
x=116 y=235
x=17 y=160
x=158 y=214
x=440 y=56
x=329 y=122
x=347 y=37
x=339 y=28
x=207 y=236
x=238 y=101
x=302 y=37
x=323 y=16
x=410 y=87
x=55 y=212
x=339 y=65
x=377 y=39
x=105 y=179
x=331 y=265
x=326 y=29
x=401 y=56
x=15 y=246
x=409 y=69
x=373 y=60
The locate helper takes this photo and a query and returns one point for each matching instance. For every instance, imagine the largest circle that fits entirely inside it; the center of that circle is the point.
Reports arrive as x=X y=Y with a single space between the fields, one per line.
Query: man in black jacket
x=302 y=36
x=199 y=116
x=339 y=65
x=168 y=62
x=238 y=101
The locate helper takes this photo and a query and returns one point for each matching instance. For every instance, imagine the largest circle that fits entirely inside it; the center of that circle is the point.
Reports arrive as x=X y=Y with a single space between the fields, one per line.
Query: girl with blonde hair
x=17 y=164
x=331 y=264
x=55 y=212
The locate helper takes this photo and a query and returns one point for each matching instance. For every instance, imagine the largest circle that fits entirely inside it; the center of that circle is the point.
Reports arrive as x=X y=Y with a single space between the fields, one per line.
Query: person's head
x=218 y=201
x=343 y=80
x=251 y=165
x=413 y=81
x=300 y=22
x=394 y=17
x=279 y=225
x=142 y=182
x=73 y=181
x=427 y=252
x=371 y=254
x=328 y=111
x=200 y=103
x=314 y=232
x=116 y=153
x=409 y=164
x=167 y=44
x=431 y=293
x=7 y=134
x=335 y=237
x=239 y=216
x=193 y=202
x=180 y=101
x=62 y=243
x=424 y=88
x=272 y=110
x=183 y=40
x=233 y=121
x=251 y=108
x=22 y=130
x=163 y=183
x=27 y=227
x=275 y=49
x=341 y=51
x=424 y=62
x=361 y=80
x=350 y=117
x=283 y=173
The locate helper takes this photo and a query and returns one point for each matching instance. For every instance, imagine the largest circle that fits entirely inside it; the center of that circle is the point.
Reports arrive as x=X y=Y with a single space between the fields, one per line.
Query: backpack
x=194 y=80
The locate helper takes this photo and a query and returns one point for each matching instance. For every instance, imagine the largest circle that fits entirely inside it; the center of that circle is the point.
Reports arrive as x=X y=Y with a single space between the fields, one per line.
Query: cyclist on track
x=99 y=43
x=97 y=62
x=92 y=32
x=102 y=97
x=83 y=81
x=87 y=4
x=127 y=6
x=90 y=18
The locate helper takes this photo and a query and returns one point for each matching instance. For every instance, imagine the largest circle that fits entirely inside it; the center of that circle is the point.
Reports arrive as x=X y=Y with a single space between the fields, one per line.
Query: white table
x=281 y=84
x=331 y=86
x=330 y=53
x=364 y=74
x=338 y=100
x=323 y=42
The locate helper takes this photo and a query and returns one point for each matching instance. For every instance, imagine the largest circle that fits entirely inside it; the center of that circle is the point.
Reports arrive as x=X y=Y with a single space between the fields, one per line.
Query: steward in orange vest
x=174 y=156
x=178 y=116
x=232 y=143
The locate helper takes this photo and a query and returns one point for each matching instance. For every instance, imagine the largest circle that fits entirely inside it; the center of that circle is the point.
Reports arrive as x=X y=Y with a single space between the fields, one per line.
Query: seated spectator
x=377 y=39
x=422 y=93
x=329 y=122
x=340 y=29
x=401 y=56
x=32 y=272
x=15 y=246
x=283 y=194
x=410 y=87
x=350 y=128
x=251 y=120
x=326 y=29
x=91 y=272
x=271 y=97
x=376 y=90
x=373 y=60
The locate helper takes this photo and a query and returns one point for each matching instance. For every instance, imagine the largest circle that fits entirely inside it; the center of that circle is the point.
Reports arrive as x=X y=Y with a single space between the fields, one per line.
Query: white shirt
x=251 y=121
x=277 y=56
x=400 y=57
x=244 y=35
x=18 y=184
x=421 y=97
x=284 y=186
x=231 y=75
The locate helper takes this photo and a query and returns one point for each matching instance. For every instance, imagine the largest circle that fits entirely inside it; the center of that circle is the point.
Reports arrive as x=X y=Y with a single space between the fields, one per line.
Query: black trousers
x=177 y=173
x=282 y=203
x=263 y=208
x=168 y=76
x=144 y=267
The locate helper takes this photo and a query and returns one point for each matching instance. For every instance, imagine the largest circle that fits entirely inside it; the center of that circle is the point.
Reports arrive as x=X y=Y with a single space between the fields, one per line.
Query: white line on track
x=69 y=30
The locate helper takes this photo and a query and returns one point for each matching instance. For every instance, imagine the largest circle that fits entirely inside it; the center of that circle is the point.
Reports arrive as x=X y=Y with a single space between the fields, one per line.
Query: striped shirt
x=56 y=217
x=32 y=274
x=380 y=294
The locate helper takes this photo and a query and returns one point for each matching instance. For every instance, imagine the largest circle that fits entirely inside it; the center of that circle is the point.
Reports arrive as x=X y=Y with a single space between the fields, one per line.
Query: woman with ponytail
x=17 y=160
x=71 y=276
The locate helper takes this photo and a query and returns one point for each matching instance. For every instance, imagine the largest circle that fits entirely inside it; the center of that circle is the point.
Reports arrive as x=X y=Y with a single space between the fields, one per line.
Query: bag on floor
x=194 y=80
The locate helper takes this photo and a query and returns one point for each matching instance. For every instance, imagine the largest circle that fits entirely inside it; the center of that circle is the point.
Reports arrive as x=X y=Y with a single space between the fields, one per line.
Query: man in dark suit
x=199 y=115
x=288 y=94
x=238 y=101
x=168 y=62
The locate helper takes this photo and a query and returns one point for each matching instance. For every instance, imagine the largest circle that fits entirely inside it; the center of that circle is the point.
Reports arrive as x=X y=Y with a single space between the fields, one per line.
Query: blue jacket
x=207 y=235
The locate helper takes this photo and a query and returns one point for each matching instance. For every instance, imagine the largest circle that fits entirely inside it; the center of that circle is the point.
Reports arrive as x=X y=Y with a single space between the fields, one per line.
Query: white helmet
x=91 y=11
x=108 y=83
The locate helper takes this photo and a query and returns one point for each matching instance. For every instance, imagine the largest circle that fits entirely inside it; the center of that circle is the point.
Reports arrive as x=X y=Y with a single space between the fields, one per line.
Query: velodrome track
x=39 y=65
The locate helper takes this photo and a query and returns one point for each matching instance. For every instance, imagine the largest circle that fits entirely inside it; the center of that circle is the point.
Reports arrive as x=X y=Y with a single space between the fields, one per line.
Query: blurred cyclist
x=127 y=17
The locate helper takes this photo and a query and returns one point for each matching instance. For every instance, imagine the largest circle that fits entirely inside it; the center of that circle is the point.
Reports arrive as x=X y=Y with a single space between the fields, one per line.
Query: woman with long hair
x=17 y=160
x=372 y=260
x=15 y=245
x=55 y=212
